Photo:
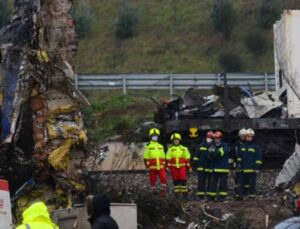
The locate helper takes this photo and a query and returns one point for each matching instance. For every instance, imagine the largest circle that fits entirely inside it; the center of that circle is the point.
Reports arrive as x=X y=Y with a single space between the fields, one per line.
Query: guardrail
x=172 y=81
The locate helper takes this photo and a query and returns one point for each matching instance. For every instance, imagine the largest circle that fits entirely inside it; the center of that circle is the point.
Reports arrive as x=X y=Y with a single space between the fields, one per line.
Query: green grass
x=172 y=36
x=112 y=113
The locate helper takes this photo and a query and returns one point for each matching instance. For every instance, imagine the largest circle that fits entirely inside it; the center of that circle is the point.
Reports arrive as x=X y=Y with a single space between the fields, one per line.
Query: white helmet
x=250 y=132
x=242 y=132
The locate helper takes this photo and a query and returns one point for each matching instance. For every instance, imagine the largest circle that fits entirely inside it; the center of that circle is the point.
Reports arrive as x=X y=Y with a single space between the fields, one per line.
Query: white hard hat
x=250 y=132
x=242 y=132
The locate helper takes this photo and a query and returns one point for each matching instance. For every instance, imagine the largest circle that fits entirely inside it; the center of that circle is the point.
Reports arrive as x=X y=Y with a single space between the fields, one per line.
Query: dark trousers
x=237 y=183
x=203 y=182
x=247 y=184
x=218 y=185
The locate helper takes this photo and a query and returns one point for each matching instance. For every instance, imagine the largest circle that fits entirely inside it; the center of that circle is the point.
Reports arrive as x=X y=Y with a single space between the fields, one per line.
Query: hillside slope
x=172 y=36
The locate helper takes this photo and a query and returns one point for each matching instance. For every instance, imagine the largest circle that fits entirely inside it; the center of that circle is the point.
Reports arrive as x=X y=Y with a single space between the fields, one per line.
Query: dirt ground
x=189 y=212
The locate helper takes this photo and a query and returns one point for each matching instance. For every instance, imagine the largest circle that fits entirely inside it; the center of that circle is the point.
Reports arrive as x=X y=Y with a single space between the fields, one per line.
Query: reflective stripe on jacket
x=155 y=156
x=220 y=163
x=249 y=157
x=178 y=156
x=37 y=217
x=200 y=159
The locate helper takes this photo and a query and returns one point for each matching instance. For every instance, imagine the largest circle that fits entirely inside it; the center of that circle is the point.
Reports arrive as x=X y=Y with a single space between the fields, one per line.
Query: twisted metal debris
x=36 y=47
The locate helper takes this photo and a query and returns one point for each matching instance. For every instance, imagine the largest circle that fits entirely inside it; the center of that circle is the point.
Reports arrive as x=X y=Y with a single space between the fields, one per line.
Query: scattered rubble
x=134 y=187
x=193 y=105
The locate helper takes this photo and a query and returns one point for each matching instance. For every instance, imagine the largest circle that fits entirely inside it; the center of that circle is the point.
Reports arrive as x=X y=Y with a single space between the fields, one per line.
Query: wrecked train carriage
x=229 y=110
x=42 y=126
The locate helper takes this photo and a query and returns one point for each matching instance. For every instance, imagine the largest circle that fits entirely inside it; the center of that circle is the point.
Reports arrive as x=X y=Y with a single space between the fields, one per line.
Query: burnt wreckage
x=41 y=125
x=229 y=109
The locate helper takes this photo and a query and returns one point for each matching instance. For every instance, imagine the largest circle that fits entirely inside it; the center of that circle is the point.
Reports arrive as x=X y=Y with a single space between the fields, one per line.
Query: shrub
x=269 y=12
x=223 y=17
x=127 y=21
x=5 y=12
x=256 y=43
x=84 y=17
x=230 y=62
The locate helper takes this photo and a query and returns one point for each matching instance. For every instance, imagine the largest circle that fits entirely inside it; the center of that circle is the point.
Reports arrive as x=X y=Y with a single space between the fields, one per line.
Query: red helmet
x=210 y=134
x=218 y=134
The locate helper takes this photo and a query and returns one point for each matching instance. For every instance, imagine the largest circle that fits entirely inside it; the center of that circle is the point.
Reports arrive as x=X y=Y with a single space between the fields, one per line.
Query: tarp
x=290 y=168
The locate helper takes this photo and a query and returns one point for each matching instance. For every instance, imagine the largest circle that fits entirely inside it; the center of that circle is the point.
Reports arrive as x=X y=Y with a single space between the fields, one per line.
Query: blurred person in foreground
x=36 y=216
x=98 y=209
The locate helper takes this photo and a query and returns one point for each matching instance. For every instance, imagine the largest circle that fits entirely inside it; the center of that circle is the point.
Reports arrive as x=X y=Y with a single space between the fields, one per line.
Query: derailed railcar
x=274 y=115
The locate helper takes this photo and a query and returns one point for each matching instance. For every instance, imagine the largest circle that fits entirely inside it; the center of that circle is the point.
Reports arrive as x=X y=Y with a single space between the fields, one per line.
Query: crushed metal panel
x=124 y=214
x=37 y=44
x=290 y=168
x=259 y=105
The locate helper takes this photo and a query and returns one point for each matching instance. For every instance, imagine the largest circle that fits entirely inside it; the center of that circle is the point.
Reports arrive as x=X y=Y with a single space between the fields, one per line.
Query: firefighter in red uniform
x=178 y=158
x=155 y=161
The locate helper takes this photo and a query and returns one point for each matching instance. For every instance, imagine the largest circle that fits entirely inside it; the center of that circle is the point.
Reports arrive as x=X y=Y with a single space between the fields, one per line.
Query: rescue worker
x=36 y=216
x=219 y=157
x=249 y=161
x=155 y=161
x=202 y=165
x=98 y=209
x=233 y=160
x=178 y=158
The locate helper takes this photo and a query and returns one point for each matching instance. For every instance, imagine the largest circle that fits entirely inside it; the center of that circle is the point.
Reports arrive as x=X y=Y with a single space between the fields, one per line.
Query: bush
x=84 y=18
x=5 y=12
x=269 y=12
x=230 y=62
x=127 y=20
x=256 y=43
x=223 y=17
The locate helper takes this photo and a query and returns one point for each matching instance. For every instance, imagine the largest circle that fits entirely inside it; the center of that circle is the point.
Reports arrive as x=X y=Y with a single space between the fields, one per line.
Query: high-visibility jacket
x=220 y=161
x=249 y=157
x=155 y=156
x=201 y=159
x=178 y=156
x=37 y=217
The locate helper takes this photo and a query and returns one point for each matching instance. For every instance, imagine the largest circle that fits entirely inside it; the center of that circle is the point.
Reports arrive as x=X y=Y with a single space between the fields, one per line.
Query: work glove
x=211 y=149
x=238 y=167
x=231 y=167
x=147 y=164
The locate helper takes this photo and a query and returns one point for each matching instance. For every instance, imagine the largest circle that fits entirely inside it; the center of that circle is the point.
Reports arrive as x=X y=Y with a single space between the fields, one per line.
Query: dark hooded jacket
x=101 y=218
